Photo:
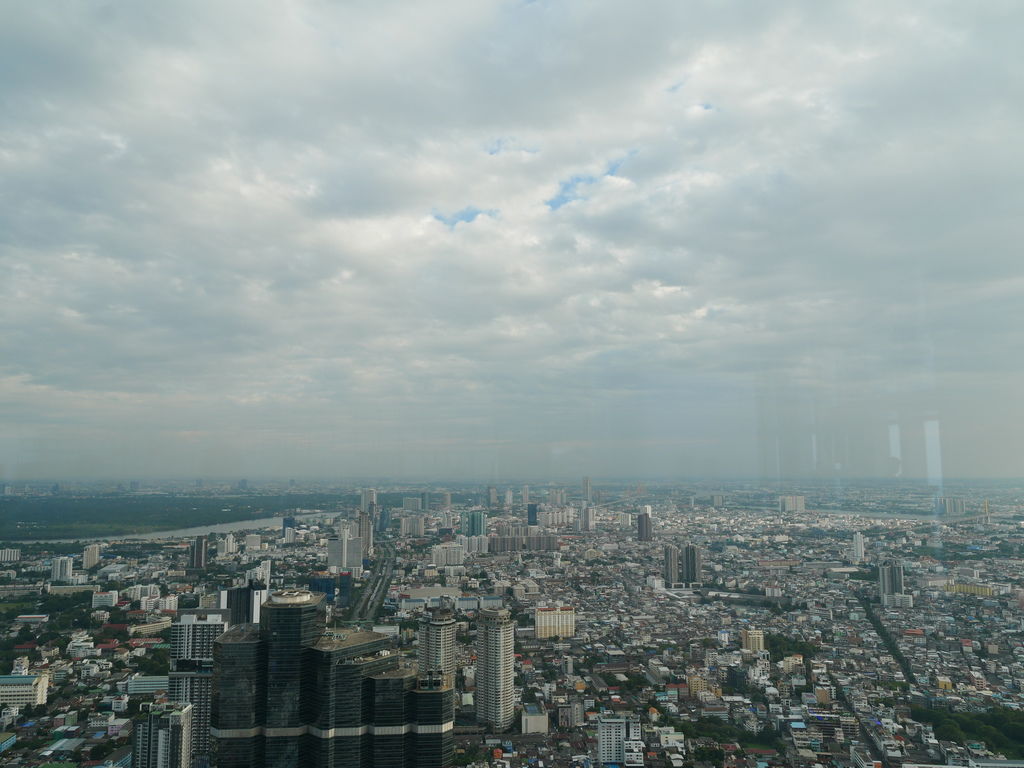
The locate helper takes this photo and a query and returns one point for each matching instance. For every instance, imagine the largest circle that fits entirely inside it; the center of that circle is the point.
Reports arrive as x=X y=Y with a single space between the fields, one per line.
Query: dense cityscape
x=585 y=624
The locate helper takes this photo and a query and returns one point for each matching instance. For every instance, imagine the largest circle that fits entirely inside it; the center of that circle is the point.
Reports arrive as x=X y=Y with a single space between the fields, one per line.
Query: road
x=376 y=585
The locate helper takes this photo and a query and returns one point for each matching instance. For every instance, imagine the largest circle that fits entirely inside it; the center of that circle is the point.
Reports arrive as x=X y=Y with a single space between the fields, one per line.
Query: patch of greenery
x=1001 y=729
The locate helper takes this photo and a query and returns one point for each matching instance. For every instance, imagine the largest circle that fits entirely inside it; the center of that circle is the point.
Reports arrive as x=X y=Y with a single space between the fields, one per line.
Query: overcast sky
x=496 y=240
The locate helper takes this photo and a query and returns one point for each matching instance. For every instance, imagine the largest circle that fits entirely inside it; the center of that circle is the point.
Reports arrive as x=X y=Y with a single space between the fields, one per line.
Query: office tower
x=891 y=587
x=588 y=491
x=531 y=514
x=323 y=582
x=670 y=570
x=717 y=500
x=288 y=521
x=367 y=497
x=436 y=653
x=554 y=622
x=446 y=500
x=91 y=556
x=354 y=553
x=752 y=639
x=190 y=679
x=197 y=552
x=162 y=736
x=476 y=523
x=526 y=494
x=253 y=541
x=227 y=545
x=690 y=564
x=644 y=529
x=336 y=553
x=61 y=569
x=617 y=740
x=791 y=504
x=382 y=515
x=857 y=551
x=508 y=498
x=492 y=496
x=288 y=694
x=344 y=589
x=366 y=534
x=494 y=669
x=243 y=484
x=243 y=603
x=587 y=519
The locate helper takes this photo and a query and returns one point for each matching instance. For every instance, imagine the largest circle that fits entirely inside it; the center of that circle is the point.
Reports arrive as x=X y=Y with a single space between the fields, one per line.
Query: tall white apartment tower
x=437 y=644
x=495 y=706
x=857 y=553
x=616 y=740
x=61 y=568
x=366 y=498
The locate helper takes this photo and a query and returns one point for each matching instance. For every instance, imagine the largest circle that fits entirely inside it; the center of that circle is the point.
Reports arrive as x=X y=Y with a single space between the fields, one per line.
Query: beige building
x=555 y=622
x=23 y=690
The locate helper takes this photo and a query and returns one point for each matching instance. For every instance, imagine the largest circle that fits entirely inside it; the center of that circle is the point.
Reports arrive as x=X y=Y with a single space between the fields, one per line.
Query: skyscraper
x=857 y=551
x=891 y=588
x=617 y=740
x=531 y=513
x=436 y=653
x=336 y=553
x=644 y=529
x=243 y=603
x=197 y=552
x=61 y=568
x=494 y=669
x=492 y=496
x=366 y=534
x=588 y=491
x=91 y=556
x=162 y=737
x=288 y=694
x=670 y=571
x=475 y=523
x=190 y=680
x=690 y=564
x=288 y=521
x=367 y=497
x=526 y=494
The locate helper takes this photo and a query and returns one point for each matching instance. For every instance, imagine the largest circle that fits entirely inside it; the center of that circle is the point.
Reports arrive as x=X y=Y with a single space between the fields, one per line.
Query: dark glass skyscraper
x=290 y=694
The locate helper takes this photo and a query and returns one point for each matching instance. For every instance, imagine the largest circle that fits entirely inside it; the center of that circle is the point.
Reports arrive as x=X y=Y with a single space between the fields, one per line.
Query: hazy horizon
x=511 y=239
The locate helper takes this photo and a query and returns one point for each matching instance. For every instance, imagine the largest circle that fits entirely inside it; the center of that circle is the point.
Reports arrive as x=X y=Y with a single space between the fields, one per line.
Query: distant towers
x=475 y=523
x=197 y=553
x=792 y=504
x=492 y=496
x=531 y=513
x=950 y=506
x=367 y=497
x=162 y=736
x=690 y=564
x=587 y=520
x=891 y=586
x=495 y=679
x=436 y=652
x=526 y=494
x=91 y=556
x=60 y=569
x=588 y=491
x=670 y=570
x=857 y=550
x=644 y=529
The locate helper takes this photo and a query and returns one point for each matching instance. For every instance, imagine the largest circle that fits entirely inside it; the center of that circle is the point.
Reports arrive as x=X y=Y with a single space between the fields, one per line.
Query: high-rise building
x=190 y=679
x=492 y=496
x=690 y=563
x=531 y=514
x=366 y=534
x=197 y=552
x=525 y=493
x=588 y=518
x=752 y=639
x=644 y=529
x=495 y=677
x=288 y=521
x=61 y=569
x=891 y=587
x=588 y=491
x=90 y=556
x=367 y=497
x=325 y=583
x=476 y=523
x=336 y=553
x=791 y=504
x=618 y=739
x=857 y=551
x=227 y=545
x=289 y=694
x=950 y=506
x=670 y=570
x=436 y=652
x=243 y=603
x=162 y=736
